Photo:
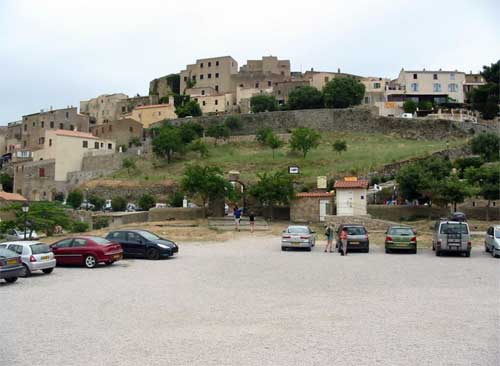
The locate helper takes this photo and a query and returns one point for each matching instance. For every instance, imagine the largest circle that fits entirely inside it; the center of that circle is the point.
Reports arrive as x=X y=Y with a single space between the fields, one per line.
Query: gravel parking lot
x=244 y=302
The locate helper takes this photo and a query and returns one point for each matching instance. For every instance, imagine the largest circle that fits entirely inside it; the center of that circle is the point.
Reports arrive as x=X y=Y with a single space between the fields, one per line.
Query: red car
x=87 y=250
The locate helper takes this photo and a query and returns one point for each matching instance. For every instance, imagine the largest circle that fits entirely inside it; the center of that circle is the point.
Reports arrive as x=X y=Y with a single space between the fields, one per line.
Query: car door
x=136 y=243
x=489 y=238
x=77 y=250
x=61 y=251
x=121 y=238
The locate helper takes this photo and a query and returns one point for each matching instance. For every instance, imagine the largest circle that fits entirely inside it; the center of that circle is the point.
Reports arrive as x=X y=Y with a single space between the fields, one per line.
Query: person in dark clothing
x=251 y=216
x=237 y=217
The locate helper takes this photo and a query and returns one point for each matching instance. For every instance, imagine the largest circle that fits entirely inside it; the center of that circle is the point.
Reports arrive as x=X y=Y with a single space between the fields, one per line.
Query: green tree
x=485 y=98
x=304 y=139
x=339 y=146
x=263 y=103
x=274 y=142
x=7 y=182
x=118 y=204
x=453 y=190
x=200 y=147
x=233 y=122
x=190 y=131
x=409 y=106
x=176 y=199
x=74 y=199
x=205 y=182
x=219 y=131
x=464 y=163
x=305 y=97
x=272 y=189
x=262 y=133
x=135 y=141
x=486 y=179
x=129 y=164
x=147 y=201
x=425 y=105
x=189 y=108
x=487 y=145
x=97 y=201
x=343 y=92
x=168 y=142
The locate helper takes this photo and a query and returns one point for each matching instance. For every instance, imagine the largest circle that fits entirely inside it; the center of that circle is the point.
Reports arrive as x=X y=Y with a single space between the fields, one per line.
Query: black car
x=11 y=265
x=143 y=244
x=357 y=237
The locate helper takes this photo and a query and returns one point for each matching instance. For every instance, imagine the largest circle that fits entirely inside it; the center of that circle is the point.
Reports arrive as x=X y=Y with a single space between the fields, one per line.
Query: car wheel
x=467 y=253
x=486 y=249
x=27 y=271
x=438 y=253
x=433 y=247
x=11 y=279
x=308 y=249
x=493 y=252
x=90 y=261
x=47 y=270
x=283 y=249
x=152 y=254
x=414 y=251
x=387 y=250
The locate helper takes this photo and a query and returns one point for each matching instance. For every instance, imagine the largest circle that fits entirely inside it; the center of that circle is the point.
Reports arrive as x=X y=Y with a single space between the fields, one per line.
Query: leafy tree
x=492 y=73
x=189 y=108
x=206 y=182
x=7 y=182
x=147 y=201
x=274 y=142
x=343 y=93
x=118 y=204
x=129 y=164
x=79 y=227
x=262 y=134
x=272 y=189
x=97 y=201
x=167 y=142
x=339 y=146
x=176 y=199
x=263 y=103
x=486 y=179
x=487 y=145
x=453 y=190
x=219 y=131
x=190 y=131
x=485 y=97
x=464 y=163
x=135 y=141
x=305 y=97
x=233 y=122
x=74 y=199
x=200 y=147
x=304 y=139
x=425 y=105
x=409 y=106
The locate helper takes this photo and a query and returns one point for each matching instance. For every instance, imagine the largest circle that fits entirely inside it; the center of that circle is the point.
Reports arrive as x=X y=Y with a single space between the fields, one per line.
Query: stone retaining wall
x=163 y=214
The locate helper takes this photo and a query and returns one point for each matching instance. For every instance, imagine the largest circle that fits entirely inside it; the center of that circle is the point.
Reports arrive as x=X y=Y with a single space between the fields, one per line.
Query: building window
x=34 y=124
x=415 y=76
x=216 y=102
x=124 y=109
x=67 y=115
x=327 y=79
x=185 y=78
x=216 y=75
x=61 y=126
x=204 y=103
x=282 y=73
x=102 y=145
x=452 y=76
x=435 y=76
x=256 y=85
x=209 y=64
x=96 y=145
x=269 y=83
x=25 y=127
x=50 y=142
x=203 y=92
x=414 y=87
x=242 y=86
x=193 y=77
x=51 y=124
x=217 y=88
x=24 y=143
x=201 y=65
x=41 y=140
x=42 y=124
x=110 y=128
x=131 y=129
x=201 y=77
x=110 y=146
x=209 y=76
x=71 y=128
x=41 y=172
x=279 y=92
x=85 y=144
x=452 y=88
x=159 y=114
x=436 y=88
x=376 y=85
x=216 y=63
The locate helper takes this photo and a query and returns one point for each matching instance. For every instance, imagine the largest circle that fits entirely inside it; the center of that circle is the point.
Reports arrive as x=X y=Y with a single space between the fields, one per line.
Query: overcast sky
x=58 y=52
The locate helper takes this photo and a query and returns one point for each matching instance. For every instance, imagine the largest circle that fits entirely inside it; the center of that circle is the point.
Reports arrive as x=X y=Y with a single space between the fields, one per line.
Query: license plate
x=354 y=242
x=117 y=256
x=45 y=258
x=295 y=242
x=11 y=261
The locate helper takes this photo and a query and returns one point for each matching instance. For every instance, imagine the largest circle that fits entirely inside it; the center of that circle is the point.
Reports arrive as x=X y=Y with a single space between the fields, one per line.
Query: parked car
x=357 y=237
x=143 y=244
x=35 y=256
x=492 y=240
x=131 y=207
x=400 y=237
x=451 y=237
x=11 y=265
x=107 y=206
x=458 y=216
x=86 y=250
x=87 y=206
x=16 y=234
x=298 y=236
x=407 y=115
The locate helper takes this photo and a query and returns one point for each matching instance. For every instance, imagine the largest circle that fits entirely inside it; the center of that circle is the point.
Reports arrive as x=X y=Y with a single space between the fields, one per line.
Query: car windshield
x=401 y=231
x=100 y=241
x=6 y=253
x=39 y=248
x=497 y=233
x=449 y=228
x=298 y=230
x=148 y=236
x=356 y=230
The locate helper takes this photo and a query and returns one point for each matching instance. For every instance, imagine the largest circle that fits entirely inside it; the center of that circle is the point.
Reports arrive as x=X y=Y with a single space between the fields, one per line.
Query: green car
x=401 y=238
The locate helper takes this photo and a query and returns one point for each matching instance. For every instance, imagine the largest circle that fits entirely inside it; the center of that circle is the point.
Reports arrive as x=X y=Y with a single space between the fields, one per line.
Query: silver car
x=492 y=240
x=451 y=237
x=35 y=256
x=298 y=236
x=16 y=234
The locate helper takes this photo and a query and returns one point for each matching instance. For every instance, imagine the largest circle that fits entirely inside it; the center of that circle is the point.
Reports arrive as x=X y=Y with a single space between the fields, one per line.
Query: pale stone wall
x=148 y=115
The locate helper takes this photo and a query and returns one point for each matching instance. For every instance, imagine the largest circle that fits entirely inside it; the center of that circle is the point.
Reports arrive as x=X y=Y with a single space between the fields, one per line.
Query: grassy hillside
x=365 y=152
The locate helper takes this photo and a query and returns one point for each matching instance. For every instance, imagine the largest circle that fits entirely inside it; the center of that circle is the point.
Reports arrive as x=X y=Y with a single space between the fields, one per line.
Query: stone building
x=311 y=206
x=214 y=73
x=165 y=85
x=13 y=137
x=319 y=79
x=150 y=114
x=375 y=90
x=110 y=107
x=281 y=90
x=268 y=65
x=121 y=131
x=216 y=103
x=472 y=81
x=35 y=126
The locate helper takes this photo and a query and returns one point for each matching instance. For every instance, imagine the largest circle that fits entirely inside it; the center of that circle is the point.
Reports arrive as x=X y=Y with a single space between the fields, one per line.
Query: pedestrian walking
x=343 y=241
x=329 y=237
x=237 y=217
x=251 y=217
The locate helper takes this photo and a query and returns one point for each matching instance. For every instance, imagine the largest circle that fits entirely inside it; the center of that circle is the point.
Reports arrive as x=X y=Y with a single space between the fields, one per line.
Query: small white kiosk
x=351 y=196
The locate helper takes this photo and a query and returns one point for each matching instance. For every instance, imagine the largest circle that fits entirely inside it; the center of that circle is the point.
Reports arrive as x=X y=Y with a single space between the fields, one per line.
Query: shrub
x=75 y=199
x=147 y=201
x=135 y=141
x=233 y=122
x=118 y=204
x=263 y=103
x=375 y=180
x=343 y=92
x=176 y=199
x=80 y=227
x=262 y=133
x=98 y=202
x=100 y=222
x=409 y=106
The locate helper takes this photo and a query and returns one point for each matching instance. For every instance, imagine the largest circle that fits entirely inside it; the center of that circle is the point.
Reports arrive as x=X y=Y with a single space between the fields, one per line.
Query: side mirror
x=415 y=231
x=313 y=232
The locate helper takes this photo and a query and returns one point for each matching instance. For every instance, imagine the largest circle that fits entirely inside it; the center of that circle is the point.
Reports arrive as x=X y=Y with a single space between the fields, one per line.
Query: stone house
x=7 y=198
x=351 y=197
x=282 y=89
x=121 y=131
x=147 y=115
x=472 y=81
x=13 y=137
x=212 y=73
x=311 y=206
x=319 y=79
x=375 y=88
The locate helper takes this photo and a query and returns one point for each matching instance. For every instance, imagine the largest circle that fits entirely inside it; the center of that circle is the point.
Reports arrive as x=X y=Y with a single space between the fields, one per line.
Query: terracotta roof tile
x=11 y=196
x=155 y=106
x=84 y=135
x=351 y=184
x=313 y=194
